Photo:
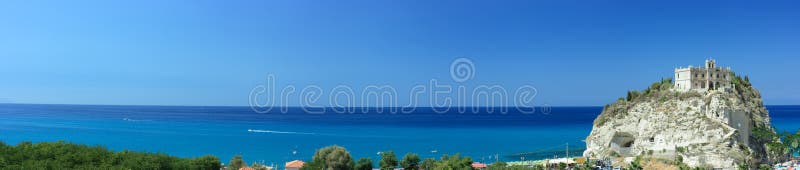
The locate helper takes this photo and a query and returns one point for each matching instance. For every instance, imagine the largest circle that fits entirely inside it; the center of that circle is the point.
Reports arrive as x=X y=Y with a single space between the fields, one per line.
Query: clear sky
x=211 y=52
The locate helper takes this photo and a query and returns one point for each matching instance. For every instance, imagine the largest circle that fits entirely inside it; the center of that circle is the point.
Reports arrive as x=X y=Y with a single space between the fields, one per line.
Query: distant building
x=478 y=165
x=294 y=165
x=701 y=79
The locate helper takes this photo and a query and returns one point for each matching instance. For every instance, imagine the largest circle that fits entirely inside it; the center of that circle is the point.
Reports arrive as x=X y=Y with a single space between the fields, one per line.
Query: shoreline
x=544 y=161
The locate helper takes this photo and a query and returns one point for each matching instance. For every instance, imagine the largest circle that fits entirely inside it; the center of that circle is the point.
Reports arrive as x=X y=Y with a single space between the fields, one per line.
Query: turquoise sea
x=190 y=131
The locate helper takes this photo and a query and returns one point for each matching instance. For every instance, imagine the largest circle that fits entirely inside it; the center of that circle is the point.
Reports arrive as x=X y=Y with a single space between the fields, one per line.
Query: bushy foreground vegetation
x=63 y=155
x=338 y=158
x=779 y=147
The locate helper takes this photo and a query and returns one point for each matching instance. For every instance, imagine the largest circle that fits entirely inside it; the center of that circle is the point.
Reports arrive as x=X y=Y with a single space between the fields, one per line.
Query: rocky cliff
x=697 y=128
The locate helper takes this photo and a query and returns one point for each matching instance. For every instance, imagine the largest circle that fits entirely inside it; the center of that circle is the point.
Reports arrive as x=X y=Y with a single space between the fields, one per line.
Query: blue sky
x=195 y=52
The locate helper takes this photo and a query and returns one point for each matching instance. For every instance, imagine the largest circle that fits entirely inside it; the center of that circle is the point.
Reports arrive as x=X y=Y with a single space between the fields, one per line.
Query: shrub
x=410 y=161
x=764 y=167
x=63 y=155
x=429 y=163
x=364 y=164
x=258 y=166
x=742 y=166
x=454 y=162
x=680 y=149
x=312 y=165
x=763 y=134
x=498 y=166
x=665 y=87
x=614 y=154
x=636 y=164
x=655 y=86
x=388 y=160
x=333 y=157
x=236 y=162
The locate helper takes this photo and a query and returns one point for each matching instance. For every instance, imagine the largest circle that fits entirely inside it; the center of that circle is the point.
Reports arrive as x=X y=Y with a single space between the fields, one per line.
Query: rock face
x=700 y=128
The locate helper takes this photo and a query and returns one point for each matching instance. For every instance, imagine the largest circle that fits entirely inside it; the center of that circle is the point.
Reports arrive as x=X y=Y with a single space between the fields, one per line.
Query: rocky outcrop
x=698 y=128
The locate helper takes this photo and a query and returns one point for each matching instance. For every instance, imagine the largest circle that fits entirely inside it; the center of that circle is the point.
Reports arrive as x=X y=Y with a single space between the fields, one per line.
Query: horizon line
x=1 y=103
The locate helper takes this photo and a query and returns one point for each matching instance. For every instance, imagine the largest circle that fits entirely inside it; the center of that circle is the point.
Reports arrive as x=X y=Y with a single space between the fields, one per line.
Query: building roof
x=561 y=160
x=246 y=168
x=478 y=165
x=295 y=164
x=580 y=160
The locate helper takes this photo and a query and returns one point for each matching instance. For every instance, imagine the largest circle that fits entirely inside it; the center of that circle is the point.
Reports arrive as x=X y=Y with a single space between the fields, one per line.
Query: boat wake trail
x=278 y=132
x=135 y=120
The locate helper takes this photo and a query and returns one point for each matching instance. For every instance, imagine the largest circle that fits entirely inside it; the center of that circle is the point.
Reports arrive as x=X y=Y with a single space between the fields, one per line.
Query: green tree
x=236 y=162
x=775 y=151
x=763 y=134
x=207 y=162
x=796 y=141
x=364 y=164
x=590 y=165
x=428 y=163
x=498 y=166
x=792 y=141
x=636 y=164
x=388 y=160
x=742 y=166
x=333 y=157
x=629 y=97
x=312 y=165
x=764 y=167
x=258 y=166
x=562 y=166
x=454 y=162
x=410 y=161
x=63 y=155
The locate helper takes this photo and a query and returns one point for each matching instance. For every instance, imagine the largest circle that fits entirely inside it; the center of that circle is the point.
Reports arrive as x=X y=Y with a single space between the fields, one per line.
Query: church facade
x=705 y=78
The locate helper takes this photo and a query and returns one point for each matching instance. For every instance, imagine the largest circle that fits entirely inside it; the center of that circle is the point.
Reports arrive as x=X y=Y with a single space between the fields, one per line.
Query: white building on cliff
x=705 y=78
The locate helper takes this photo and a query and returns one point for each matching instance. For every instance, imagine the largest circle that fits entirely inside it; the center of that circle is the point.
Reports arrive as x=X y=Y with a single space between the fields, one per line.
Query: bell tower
x=710 y=64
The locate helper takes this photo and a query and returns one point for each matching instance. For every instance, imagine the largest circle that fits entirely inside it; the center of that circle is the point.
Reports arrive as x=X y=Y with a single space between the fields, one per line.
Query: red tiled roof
x=478 y=165
x=295 y=164
x=246 y=168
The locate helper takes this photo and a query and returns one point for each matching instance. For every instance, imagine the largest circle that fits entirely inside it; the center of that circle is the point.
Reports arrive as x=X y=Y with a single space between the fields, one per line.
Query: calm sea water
x=276 y=137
